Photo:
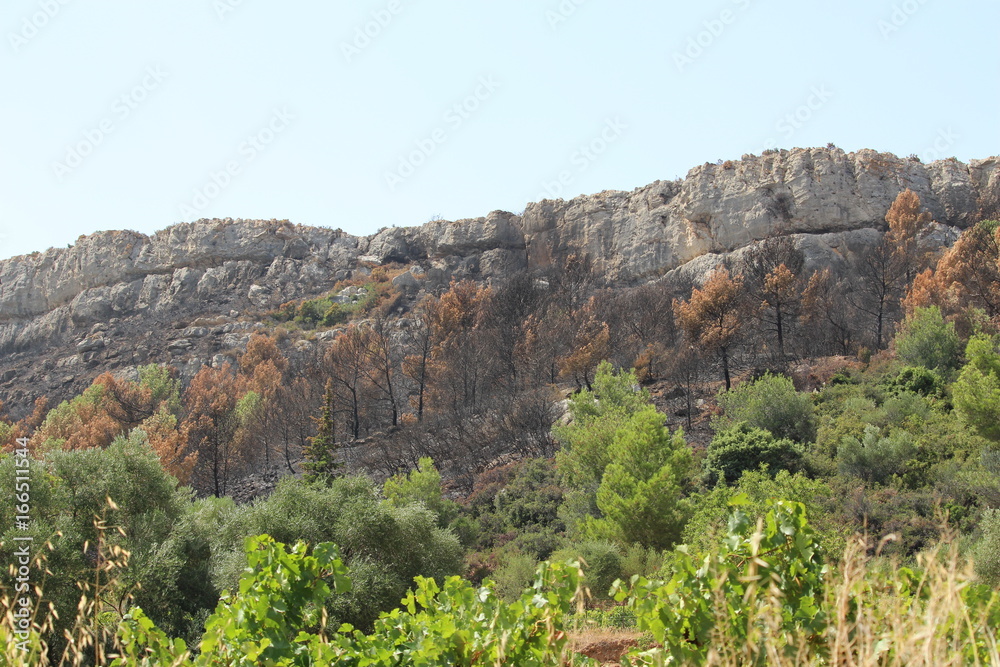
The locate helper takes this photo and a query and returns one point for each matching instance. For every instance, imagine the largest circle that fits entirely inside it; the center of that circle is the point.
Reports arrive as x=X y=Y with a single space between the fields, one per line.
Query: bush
x=642 y=561
x=977 y=390
x=69 y=491
x=906 y=409
x=524 y=501
x=602 y=565
x=986 y=554
x=531 y=498
x=756 y=491
x=770 y=403
x=387 y=546
x=926 y=340
x=742 y=448
x=514 y=575
x=920 y=380
x=874 y=458
x=422 y=485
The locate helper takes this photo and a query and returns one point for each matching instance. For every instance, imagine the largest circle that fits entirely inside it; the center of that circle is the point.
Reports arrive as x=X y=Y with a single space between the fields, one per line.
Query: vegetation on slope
x=891 y=452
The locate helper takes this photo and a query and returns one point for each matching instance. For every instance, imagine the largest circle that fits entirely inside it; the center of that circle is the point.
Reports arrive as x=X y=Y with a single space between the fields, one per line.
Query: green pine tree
x=321 y=452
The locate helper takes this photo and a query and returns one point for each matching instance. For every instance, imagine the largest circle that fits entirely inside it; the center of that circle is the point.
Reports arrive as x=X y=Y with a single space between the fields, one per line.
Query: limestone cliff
x=116 y=299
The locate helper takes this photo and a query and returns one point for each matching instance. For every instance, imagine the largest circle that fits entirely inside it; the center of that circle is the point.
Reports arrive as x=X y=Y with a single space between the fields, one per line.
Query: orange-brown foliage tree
x=212 y=424
x=966 y=277
x=80 y=423
x=906 y=223
x=128 y=403
x=714 y=317
x=781 y=292
x=458 y=354
x=590 y=347
x=265 y=367
x=27 y=426
x=772 y=270
x=170 y=444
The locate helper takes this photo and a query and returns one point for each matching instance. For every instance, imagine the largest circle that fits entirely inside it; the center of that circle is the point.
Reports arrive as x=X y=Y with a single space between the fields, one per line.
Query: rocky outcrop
x=720 y=208
x=108 y=299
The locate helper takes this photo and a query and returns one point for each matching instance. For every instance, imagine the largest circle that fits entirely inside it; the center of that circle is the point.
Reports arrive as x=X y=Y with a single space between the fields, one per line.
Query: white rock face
x=832 y=202
x=720 y=208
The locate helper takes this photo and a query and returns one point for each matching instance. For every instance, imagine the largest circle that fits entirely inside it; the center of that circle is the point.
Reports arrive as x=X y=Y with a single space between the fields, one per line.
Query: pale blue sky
x=116 y=115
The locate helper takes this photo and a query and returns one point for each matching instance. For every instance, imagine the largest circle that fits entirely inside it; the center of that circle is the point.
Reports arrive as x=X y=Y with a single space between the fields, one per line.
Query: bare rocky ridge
x=117 y=299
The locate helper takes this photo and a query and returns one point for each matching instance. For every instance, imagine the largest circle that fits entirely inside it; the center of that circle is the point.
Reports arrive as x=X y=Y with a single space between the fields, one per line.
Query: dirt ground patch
x=605 y=646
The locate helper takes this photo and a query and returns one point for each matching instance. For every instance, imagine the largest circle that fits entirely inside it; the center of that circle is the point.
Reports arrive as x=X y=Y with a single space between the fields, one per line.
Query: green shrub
x=742 y=447
x=905 y=409
x=640 y=560
x=770 y=403
x=601 y=562
x=514 y=575
x=926 y=340
x=531 y=498
x=325 y=311
x=386 y=546
x=757 y=490
x=920 y=380
x=977 y=390
x=875 y=458
x=986 y=554
x=537 y=541
x=69 y=492
x=597 y=415
x=525 y=503
x=422 y=485
x=640 y=496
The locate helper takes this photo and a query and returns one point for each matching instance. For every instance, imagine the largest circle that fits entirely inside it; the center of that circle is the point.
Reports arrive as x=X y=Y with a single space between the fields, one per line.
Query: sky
x=368 y=114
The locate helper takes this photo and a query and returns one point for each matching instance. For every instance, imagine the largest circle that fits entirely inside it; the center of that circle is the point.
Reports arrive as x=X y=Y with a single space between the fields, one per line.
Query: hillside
x=747 y=418
x=191 y=294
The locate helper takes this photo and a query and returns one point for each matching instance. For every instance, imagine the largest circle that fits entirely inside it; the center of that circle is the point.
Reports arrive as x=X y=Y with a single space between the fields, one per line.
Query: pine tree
x=321 y=452
x=214 y=425
x=906 y=224
x=714 y=316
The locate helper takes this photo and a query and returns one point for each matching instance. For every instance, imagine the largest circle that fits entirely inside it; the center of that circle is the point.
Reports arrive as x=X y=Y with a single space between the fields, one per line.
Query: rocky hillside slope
x=192 y=292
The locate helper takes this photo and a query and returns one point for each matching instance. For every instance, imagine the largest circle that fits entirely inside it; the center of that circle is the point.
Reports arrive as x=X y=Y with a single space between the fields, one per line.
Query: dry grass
x=882 y=615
